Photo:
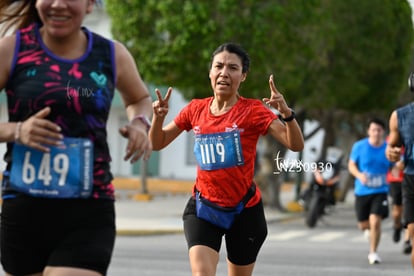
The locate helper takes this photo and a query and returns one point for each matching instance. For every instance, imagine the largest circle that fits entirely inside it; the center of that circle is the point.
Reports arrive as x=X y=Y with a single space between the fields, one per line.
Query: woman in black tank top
x=58 y=199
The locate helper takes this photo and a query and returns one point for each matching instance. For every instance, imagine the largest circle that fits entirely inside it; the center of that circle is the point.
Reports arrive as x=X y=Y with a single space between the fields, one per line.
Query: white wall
x=99 y=22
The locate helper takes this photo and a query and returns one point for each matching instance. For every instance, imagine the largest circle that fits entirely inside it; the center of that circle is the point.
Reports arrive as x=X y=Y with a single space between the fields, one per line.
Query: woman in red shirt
x=227 y=127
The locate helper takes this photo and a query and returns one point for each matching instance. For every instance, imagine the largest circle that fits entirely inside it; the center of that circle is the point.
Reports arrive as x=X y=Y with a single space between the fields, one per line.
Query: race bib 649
x=64 y=172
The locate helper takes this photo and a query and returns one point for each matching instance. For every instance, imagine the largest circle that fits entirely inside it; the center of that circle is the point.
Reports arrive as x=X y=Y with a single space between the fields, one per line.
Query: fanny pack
x=223 y=217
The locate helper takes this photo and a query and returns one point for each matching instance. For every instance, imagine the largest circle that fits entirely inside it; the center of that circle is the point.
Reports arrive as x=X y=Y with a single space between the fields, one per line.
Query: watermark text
x=298 y=166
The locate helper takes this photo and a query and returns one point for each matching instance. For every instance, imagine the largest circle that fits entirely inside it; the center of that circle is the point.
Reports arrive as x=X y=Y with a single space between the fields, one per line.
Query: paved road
x=334 y=247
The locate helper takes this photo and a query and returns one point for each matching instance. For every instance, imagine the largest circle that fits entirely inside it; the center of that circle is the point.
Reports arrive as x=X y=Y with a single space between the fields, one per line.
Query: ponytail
x=17 y=14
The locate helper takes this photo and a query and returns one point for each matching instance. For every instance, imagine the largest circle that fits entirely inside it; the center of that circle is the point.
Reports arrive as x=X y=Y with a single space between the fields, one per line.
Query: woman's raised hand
x=276 y=99
x=160 y=106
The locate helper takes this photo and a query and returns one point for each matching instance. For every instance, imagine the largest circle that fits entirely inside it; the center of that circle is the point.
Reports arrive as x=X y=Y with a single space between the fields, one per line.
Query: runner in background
x=368 y=164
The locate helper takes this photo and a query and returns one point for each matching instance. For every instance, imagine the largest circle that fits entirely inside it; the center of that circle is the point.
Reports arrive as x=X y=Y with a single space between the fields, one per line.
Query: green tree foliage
x=368 y=64
x=172 y=40
x=339 y=60
x=345 y=54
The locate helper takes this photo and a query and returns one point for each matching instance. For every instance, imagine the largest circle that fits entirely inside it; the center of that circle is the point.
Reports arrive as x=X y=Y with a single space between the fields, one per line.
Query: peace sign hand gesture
x=277 y=100
x=160 y=106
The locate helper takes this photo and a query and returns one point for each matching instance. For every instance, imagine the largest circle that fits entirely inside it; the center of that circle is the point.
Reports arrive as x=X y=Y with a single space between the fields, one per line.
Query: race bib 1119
x=218 y=150
x=64 y=172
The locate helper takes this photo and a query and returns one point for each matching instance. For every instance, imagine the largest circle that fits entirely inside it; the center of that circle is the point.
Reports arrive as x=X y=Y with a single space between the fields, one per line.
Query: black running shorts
x=40 y=232
x=371 y=204
x=243 y=240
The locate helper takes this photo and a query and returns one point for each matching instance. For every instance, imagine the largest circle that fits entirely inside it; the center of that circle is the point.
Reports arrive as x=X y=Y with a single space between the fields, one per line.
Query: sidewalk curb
x=153 y=185
x=289 y=216
x=154 y=232
x=130 y=189
x=161 y=185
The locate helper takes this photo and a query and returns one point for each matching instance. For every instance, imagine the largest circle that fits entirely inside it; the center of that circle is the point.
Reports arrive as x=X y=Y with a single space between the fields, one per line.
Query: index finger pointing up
x=272 y=85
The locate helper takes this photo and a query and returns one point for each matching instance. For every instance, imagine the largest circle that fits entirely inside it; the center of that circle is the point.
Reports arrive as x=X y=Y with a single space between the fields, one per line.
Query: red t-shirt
x=248 y=118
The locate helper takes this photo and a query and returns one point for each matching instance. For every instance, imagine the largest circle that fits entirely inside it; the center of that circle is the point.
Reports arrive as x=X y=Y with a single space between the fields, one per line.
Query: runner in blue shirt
x=369 y=166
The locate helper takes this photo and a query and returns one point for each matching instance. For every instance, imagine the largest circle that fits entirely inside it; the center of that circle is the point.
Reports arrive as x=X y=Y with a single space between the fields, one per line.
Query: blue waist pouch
x=222 y=217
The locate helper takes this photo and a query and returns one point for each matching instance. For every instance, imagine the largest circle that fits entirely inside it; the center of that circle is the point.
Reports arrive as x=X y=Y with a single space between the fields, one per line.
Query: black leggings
x=243 y=240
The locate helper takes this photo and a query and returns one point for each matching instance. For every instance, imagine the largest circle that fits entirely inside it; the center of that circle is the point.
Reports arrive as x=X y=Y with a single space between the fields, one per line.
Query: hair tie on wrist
x=144 y=119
